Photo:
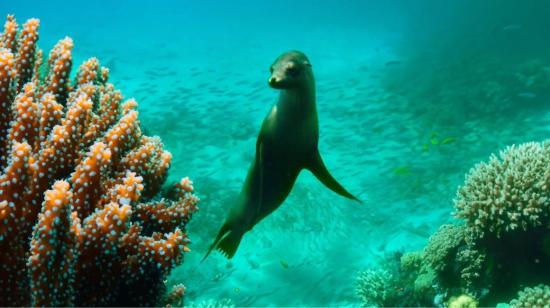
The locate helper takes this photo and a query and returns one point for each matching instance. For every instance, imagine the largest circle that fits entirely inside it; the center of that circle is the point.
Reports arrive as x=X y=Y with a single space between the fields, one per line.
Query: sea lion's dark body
x=287 y=143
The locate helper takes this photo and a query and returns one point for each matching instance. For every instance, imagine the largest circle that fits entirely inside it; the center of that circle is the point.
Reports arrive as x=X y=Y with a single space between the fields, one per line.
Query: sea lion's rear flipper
x=223 y=231
x=318 y=168
x=229 y=244
x=227 y=241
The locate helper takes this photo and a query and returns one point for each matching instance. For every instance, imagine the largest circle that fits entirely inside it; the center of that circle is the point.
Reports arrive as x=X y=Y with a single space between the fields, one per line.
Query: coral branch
x=60 y=63
x=53 y=246
x=25 y=126
x=78 y=224
x=8 y=40
x=7 y=73
x=27 y=52
x=87 y=179
x=88 y=72
x=50 y=115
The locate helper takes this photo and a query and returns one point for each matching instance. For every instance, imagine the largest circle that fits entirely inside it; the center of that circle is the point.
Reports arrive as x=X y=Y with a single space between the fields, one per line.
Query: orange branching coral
x=8 y=39
x=163 y=216
x=60 y=62
x=149 y=156
x=7 y=73
x=87 y=178
x=50 y=115
x=52 y=247
x=27 y=51
x=88 y=71
x=25 y=110
x=81 y=222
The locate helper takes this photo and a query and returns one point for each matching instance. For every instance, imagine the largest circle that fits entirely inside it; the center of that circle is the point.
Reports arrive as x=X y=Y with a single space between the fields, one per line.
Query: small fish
x=253 y=264
x=284 y=264
x=433 y=138
x=512 y=27
x=375 y=128
x=529 y=95
x=217 y=277
x=111 y=64
x=448 y=140
x=425 y=147
x=402 y=170
x=393 y=62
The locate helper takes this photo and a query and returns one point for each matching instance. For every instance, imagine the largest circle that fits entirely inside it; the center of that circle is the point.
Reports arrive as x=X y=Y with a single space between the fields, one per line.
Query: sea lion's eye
x=271 y=70
x=293 y=71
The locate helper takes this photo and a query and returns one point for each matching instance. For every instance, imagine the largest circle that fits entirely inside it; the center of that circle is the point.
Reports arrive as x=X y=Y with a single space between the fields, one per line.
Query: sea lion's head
x=290 y=70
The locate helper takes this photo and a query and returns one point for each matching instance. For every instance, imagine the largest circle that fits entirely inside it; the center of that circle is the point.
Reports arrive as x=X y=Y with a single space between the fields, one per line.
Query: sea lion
x=286 y=144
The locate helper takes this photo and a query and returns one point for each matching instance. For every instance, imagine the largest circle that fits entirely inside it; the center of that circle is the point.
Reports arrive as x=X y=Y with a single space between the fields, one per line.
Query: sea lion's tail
x=227 y=241
x=318 y=168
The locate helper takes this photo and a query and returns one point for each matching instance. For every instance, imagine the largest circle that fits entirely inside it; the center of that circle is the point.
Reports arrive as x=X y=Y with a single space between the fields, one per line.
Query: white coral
x=373 y=287
x=509 y=192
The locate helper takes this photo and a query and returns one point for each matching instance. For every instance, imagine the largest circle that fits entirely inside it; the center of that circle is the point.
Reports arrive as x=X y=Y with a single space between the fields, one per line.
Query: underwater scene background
x=411 y=95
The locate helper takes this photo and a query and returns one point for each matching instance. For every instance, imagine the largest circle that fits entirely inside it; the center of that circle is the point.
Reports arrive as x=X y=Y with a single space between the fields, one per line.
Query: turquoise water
x=411 y=95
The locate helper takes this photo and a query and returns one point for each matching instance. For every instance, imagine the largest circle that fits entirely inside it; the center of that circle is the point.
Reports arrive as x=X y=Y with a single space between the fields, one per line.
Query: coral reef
x=411 y=261
x=462 y=301
x=80 y=222
x=175 y=296
x=396 y=283
x=500 y=244
x=507 y=212
x=538 y=296
x=374 y=288
x=442 y=246
x=452 y=258
x=509 y=192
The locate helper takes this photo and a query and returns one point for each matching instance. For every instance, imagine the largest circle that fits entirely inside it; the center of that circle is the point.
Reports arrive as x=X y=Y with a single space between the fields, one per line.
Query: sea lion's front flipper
x=318 y=168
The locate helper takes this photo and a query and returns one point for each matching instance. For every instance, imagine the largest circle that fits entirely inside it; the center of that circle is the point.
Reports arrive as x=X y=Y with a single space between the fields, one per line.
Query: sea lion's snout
x=284 y=75
x=275 y=82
